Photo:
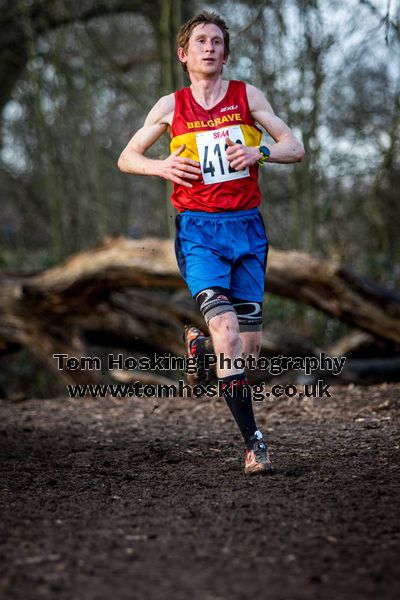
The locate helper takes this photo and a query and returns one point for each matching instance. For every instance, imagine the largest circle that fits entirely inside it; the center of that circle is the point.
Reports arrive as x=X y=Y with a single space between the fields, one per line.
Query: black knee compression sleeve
x=249 y=314
x=213 y=301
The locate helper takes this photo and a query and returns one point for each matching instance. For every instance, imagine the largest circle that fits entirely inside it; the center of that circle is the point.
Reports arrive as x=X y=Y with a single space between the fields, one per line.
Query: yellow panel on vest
x=252 y=137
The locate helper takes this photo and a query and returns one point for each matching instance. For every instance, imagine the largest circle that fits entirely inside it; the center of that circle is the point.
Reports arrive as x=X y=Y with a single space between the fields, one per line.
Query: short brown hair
x=205 y=17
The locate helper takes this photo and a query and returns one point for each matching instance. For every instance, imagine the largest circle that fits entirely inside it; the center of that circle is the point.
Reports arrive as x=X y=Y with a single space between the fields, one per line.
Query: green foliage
x=286 y=316
x=21 y=374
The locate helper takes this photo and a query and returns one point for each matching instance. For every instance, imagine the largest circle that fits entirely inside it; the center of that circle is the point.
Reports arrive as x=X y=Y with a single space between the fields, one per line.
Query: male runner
x=220 y=243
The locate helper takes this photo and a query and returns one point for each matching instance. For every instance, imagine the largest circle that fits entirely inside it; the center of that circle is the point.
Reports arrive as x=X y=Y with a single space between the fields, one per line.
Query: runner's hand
x=177 y=168
x=241 y=156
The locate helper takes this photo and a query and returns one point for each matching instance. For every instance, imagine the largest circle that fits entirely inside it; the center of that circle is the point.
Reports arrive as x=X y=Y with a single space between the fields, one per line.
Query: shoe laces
x=260 y=450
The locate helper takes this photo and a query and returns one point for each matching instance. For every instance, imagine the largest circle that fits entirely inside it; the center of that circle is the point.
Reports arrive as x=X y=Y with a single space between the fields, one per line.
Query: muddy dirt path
x=144 y=499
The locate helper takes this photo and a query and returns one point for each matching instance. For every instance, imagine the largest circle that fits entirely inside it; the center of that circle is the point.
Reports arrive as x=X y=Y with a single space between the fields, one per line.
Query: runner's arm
x=287 y=148
x=174 y=167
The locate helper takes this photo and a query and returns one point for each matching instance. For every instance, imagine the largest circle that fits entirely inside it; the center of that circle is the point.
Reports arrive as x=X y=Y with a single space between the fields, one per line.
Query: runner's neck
x=209 y=93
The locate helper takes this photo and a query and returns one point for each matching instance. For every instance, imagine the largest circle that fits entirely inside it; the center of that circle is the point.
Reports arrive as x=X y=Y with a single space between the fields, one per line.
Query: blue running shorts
x=227 y=250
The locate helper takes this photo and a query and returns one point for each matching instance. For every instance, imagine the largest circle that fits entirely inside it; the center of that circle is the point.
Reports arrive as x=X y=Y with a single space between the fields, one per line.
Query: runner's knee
x=213 y=301
x=224 y=329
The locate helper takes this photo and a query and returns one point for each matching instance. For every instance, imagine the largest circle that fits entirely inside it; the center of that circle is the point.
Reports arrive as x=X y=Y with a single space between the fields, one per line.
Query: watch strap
x=264 y=151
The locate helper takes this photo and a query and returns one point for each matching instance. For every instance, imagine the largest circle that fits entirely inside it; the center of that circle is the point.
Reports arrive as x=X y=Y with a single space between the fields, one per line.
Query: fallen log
x=128 y=293
x=359 y=344
x=150 y=263
x=362 y=371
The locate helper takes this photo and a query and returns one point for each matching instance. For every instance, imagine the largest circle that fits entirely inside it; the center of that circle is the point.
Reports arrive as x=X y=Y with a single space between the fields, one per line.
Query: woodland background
x=77 y=79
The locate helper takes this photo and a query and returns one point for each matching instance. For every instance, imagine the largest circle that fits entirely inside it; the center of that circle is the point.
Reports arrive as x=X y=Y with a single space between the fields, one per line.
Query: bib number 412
x=211 y=146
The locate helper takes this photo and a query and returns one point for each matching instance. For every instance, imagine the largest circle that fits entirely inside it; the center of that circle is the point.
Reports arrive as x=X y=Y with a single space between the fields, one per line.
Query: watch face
x=265 y=151
x=265 y=155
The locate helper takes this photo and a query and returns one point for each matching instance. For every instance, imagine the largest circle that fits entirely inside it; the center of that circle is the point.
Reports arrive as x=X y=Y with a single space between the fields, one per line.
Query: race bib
x=211 y=147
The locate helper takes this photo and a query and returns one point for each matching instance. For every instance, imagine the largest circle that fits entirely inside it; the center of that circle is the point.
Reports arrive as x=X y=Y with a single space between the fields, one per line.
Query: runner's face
x=205 y=53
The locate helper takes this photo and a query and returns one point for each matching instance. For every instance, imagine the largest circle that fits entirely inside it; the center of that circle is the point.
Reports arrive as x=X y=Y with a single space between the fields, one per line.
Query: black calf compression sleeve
x=237 y=394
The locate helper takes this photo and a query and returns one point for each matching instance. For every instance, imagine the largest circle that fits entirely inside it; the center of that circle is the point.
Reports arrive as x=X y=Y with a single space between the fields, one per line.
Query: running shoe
x=194 y=340
x=257 y=456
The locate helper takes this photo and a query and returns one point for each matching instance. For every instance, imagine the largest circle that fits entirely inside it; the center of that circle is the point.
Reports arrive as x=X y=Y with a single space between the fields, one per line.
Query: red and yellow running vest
x=204 y=132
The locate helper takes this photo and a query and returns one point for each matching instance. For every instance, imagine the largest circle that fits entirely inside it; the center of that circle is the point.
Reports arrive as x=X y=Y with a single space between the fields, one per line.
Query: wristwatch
x=265 y=154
